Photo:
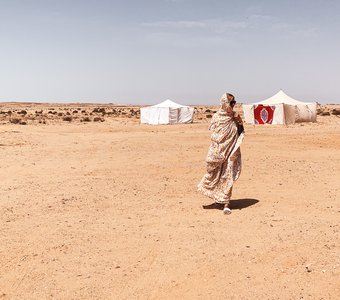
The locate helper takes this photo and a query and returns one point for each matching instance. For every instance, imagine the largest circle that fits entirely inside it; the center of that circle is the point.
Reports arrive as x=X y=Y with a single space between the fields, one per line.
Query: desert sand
x=108 y=209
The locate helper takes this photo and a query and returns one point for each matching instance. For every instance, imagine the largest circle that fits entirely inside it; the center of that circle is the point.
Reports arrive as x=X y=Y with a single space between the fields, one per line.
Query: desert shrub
x=60 y=114
x=22 y=112
x=336 y=111
x=99 y=110
x=67 y=118
x=86 y=119
x=15 y=120
x=98 y=119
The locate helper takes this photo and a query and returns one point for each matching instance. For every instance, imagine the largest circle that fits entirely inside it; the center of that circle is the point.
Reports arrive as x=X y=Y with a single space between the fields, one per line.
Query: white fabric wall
x=290 y=113
x=300 y=113
x=312 y=108
x=248 y=113
x=154 y=115
x=279 y=114
x=173 y=115
x=306 y=113
x=185 y=115
x=165 y=115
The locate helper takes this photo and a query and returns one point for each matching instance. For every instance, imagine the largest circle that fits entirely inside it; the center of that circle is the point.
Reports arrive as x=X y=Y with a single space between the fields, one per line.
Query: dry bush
x=336 y=111
x=15 y=120
x=98 y=119
x=99 y=110
x=86 y=119
x=22 y=112
x=67 y=118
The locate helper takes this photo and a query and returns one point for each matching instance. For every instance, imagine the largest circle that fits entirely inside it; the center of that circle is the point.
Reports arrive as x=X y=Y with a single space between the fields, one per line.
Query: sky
x=190 y=51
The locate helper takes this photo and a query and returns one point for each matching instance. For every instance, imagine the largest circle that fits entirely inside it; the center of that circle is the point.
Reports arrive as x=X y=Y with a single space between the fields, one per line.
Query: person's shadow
x=234 y=204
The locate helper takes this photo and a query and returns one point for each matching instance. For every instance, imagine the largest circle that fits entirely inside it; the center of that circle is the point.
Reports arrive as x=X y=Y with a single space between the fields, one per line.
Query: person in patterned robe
x=224 y=155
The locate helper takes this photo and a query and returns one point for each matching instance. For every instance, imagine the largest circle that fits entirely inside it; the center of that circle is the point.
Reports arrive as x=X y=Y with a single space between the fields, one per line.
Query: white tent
x=279 y=109
x=167 y=112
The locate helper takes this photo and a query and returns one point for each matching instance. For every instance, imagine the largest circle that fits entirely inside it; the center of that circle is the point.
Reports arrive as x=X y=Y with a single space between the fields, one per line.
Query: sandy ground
x=110 y=211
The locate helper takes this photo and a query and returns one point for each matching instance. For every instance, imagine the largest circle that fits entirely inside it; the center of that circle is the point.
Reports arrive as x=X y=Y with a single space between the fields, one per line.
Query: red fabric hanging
x=263 y=114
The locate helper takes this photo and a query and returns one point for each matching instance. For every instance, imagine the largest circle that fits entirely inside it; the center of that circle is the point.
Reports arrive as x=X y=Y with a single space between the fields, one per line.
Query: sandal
x=227 y=211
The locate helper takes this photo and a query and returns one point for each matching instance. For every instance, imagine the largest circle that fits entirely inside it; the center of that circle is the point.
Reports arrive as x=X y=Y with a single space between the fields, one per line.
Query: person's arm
x=238 y=118
x=240 y=127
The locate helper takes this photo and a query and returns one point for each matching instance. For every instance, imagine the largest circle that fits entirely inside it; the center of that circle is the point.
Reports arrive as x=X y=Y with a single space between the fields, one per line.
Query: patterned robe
x=223 y=159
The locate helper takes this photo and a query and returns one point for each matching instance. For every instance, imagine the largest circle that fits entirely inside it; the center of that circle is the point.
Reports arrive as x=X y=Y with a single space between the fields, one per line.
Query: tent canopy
x=169 y=103
x=166 y=112
x=282 y=97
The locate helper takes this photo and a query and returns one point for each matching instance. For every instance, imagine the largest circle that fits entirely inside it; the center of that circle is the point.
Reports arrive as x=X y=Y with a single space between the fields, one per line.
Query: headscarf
x=223 y=131
x=224 y=115
x=225 y=103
